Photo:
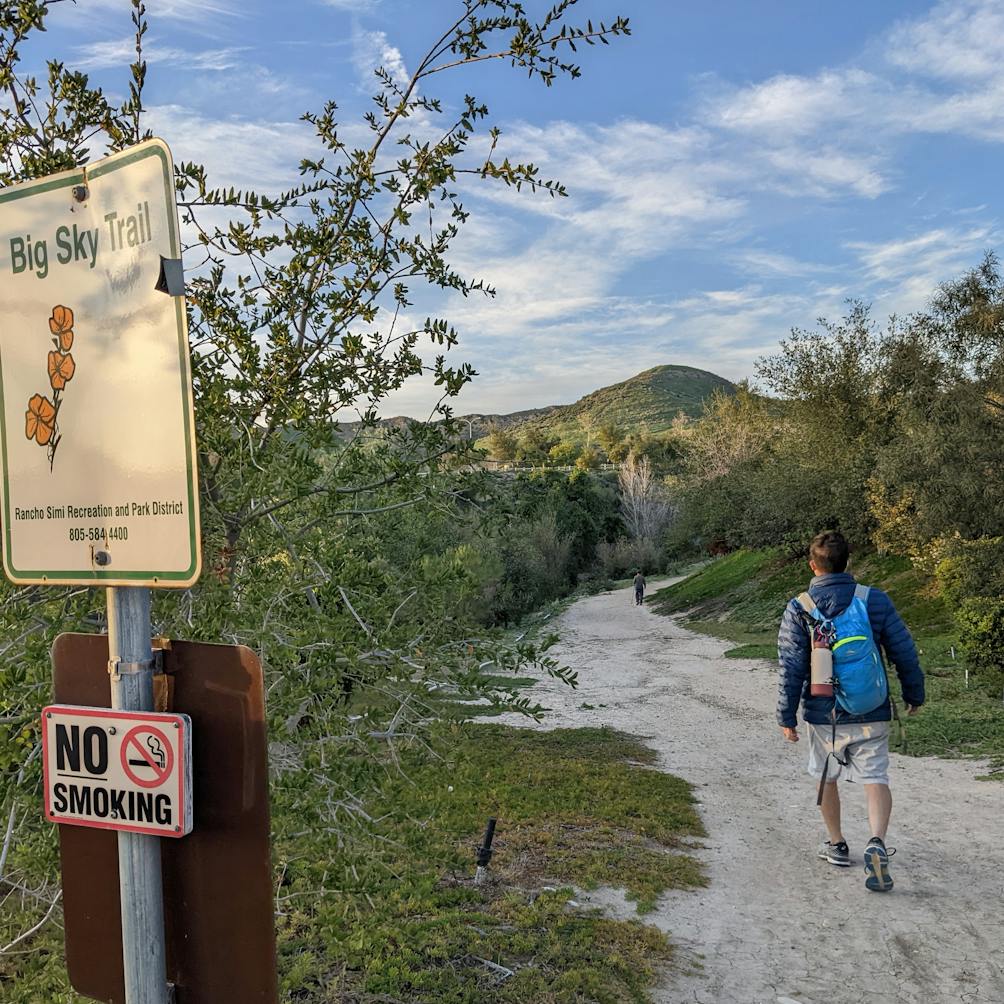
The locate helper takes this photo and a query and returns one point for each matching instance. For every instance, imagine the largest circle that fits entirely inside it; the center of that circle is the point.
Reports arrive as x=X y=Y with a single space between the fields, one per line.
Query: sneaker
x=836 y=854
x=877 y=866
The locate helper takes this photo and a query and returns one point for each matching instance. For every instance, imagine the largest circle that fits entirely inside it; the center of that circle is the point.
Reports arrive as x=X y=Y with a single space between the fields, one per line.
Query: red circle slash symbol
x=147 y=756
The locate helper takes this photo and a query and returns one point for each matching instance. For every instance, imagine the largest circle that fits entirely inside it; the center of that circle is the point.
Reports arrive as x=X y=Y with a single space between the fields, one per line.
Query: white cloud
x=372 y=49
x=794 y=106
x=959 y=40
x=637 y=191
x=938 y=252
x=121 y=52
x=826 y=172
x=256 y=154
x=766 y=263
x=174 y=10
x=942 y=72
x=204 y=16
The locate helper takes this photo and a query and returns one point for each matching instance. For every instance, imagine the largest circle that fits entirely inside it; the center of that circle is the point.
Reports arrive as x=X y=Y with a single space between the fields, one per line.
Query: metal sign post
x=130 y=664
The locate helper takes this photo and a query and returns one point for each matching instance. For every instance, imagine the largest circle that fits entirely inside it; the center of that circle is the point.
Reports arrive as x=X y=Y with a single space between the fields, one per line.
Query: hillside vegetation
x=649 y=401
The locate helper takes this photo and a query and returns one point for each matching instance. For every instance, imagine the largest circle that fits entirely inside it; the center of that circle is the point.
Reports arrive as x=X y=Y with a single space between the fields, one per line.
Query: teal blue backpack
x=859 y=679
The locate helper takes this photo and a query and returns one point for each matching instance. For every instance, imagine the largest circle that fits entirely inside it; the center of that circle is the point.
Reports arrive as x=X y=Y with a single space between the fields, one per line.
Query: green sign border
x=179 y=580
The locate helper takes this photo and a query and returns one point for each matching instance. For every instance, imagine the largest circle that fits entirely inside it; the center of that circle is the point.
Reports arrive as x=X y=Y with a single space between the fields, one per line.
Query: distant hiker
x=639 y=589
x=835 y=630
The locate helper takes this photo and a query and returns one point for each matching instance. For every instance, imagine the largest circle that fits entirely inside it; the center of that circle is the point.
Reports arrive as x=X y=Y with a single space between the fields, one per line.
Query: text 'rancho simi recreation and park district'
x=96 y=417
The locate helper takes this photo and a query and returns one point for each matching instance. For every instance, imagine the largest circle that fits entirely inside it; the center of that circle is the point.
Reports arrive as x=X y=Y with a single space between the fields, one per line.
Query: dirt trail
x=776 y=925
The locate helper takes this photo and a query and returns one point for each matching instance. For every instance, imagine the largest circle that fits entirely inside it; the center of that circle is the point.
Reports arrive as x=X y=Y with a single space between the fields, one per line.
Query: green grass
x=401 y=921
x=743 y=587
x=740 y=598
x=766 y=650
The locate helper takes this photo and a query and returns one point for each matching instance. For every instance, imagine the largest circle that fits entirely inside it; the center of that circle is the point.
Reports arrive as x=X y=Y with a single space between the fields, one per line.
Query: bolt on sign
x=118 y=770
x=97 y=434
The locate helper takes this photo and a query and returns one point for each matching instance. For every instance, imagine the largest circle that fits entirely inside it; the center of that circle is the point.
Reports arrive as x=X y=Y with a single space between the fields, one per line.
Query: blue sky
x=734 y=168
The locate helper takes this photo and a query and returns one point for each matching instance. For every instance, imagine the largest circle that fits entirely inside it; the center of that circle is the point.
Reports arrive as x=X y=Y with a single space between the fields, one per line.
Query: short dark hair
x=829 y=551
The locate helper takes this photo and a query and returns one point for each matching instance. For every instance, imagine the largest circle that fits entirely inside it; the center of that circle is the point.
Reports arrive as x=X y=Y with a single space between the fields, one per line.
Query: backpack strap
x=861 y=593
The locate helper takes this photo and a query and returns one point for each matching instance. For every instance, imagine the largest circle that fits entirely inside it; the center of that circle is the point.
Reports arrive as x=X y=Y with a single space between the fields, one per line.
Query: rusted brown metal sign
x=218 y=903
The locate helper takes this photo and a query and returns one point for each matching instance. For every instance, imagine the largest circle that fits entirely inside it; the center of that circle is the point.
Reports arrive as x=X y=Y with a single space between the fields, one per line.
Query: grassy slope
x=741 y=597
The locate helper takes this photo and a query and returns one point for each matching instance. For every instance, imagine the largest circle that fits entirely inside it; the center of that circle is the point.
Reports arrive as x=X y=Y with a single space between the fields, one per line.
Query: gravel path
x=777 y=925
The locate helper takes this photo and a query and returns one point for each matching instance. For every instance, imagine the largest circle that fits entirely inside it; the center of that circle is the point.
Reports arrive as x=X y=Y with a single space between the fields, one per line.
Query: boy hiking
x=829 y=651
x=639 y=589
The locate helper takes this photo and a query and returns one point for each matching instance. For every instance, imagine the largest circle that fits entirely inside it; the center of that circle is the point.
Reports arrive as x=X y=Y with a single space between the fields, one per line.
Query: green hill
x=647 y=402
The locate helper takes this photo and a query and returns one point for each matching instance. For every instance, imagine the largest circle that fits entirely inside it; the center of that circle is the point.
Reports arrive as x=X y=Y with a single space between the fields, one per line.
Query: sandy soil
x=776 y=924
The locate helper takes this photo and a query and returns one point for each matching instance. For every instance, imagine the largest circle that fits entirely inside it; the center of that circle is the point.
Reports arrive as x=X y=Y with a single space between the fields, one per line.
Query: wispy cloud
x=193 y=12
x=940 y=72
x=791 y=106
x=372 y=49
x=256 y=154
x=959 y=40
x=762 y=262
x=122 y=51
x=934 y=252
x=354 y=6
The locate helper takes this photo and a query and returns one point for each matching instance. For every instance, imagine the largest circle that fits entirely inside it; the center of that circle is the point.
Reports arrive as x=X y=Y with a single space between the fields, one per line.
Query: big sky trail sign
x=96 y=419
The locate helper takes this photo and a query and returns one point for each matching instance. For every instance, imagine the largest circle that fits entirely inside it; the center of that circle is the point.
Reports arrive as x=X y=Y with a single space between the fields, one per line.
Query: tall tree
x=645 y=507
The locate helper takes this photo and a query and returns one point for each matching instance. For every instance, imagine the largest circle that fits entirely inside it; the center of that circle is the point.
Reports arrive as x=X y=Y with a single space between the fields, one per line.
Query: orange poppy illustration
x=61 y=369
x=40 y=420
x=61 y=325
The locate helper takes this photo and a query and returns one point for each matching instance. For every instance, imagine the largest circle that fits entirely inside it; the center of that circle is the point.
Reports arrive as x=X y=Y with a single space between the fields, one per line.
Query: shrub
x=588 y=460
x=972 y=568
x=564 y=454
x=981 y=625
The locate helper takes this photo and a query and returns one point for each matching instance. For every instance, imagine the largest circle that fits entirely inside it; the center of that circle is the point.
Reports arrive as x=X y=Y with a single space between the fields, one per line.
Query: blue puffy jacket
x=833 y=594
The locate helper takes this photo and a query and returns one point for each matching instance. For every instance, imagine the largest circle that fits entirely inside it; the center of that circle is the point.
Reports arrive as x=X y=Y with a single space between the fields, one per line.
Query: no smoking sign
x=118 y=770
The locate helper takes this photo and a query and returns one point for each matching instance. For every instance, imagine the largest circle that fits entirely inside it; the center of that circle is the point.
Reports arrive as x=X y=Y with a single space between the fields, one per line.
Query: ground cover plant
x=574 y=807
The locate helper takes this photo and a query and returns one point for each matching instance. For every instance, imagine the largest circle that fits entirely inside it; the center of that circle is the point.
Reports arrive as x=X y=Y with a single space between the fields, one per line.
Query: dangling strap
x=832 y=753
x=900 y=724
x=810 y=616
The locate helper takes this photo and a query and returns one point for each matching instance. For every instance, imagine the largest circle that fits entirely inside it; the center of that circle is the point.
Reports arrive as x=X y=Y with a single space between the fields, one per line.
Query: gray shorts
x=864 y=747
